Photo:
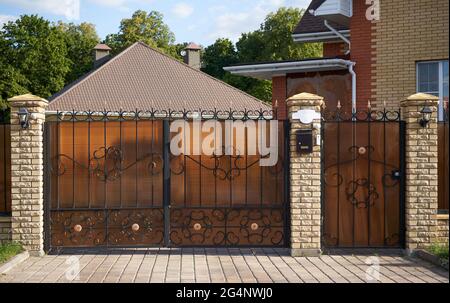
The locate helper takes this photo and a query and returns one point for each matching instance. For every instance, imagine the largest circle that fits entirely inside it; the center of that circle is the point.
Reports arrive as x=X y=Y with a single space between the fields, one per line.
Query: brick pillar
x=305 y=182
x=27 y=173
x=421 y=192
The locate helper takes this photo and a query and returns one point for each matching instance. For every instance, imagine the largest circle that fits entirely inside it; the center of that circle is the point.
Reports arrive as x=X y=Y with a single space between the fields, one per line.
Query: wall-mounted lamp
x=426 y=116
x=24 y=118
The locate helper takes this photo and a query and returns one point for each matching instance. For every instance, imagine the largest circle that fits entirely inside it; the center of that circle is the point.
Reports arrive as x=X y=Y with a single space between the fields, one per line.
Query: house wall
x=332 y=86
x=279 y=96
x=334 y=49
x=362 y=48
x=408 y=31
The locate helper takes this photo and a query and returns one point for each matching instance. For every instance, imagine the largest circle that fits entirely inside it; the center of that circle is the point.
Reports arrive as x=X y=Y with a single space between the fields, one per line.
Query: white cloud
x=232 y=24
x=182 y=10
x=67 y=8
x=6 y=18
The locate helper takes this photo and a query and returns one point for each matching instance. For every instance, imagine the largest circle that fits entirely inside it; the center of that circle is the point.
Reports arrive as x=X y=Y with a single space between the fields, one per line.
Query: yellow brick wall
x=408 y=31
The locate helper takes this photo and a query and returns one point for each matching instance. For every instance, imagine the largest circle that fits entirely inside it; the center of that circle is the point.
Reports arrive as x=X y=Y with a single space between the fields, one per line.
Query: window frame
x=440 y=83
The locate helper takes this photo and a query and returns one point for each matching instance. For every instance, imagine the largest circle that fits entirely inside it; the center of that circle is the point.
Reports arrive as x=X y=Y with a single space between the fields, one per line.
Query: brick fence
x=424 y=226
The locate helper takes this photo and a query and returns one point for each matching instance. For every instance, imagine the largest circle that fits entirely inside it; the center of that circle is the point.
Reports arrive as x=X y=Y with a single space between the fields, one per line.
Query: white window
x=432 y=78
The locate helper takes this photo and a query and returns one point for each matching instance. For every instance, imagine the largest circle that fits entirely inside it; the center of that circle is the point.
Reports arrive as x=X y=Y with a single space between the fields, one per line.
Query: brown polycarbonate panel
x=359 y=185
x=392 y=186
x=53 y=168
x=128 y=167
x=376 y=176
x=346 y=171
x=96 y=182
x=66 y=156
x=156 y=138
x=81 y=165
x=5 y=168
x=111 y=153
x=443 y=165
x=332 y=184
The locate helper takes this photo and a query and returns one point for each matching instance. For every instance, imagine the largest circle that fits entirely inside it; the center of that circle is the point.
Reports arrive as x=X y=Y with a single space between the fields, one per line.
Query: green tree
x=218 y=55
x=142 y=26
x=36 y=51
x=80 y=41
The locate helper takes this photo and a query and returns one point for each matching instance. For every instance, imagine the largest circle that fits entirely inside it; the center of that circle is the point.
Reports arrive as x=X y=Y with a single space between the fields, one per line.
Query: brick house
x=404 y=52
x=378 y=52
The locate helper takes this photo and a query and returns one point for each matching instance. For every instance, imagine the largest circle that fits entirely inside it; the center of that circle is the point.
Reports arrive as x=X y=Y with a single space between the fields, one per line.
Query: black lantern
x=24 y=117
x=426 y=116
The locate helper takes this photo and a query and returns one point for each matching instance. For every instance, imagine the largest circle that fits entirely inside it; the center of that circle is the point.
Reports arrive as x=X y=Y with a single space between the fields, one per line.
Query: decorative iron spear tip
x=384 y=103
x=276 y=103
x=369 y=105
x=339 y=105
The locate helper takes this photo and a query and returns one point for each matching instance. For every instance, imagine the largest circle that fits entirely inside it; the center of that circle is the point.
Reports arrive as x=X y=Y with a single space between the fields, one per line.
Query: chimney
x=191 y=55
x=101 y=54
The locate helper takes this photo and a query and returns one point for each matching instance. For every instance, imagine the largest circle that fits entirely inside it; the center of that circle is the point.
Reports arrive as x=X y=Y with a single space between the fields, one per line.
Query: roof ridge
x=90 y=74
x=203 y=73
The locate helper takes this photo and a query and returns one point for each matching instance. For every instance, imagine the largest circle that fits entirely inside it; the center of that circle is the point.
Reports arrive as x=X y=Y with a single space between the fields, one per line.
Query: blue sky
x=201 y=21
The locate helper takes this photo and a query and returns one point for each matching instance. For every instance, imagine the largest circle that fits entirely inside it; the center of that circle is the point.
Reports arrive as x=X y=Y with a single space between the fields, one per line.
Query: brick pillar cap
x=305 y=99
x=28 y=100
x=420 y=99
x=305 y=96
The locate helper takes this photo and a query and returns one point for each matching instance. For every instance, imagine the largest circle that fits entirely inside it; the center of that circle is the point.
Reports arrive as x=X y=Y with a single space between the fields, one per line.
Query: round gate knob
x=78 y=228
x=254 y=226
x=197 y=226
x=135 y=227
x=362 y=150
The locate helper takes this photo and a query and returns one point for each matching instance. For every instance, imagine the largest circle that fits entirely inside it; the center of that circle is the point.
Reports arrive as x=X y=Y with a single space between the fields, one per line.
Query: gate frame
x=166 y=117
x=367 y=116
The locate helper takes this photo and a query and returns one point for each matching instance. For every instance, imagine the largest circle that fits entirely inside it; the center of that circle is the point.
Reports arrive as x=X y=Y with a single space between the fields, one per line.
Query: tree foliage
x=34 y=56
x=142 y=26
x=80 y=41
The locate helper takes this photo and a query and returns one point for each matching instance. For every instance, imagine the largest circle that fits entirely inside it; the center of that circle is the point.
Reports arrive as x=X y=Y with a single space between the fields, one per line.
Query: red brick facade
x=362 y=52
x=334 y=49
x=279 y=96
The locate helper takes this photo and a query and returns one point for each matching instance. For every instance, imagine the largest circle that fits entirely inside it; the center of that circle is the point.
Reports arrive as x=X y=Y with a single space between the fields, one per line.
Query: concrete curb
x=16 y=260
x=429 y=257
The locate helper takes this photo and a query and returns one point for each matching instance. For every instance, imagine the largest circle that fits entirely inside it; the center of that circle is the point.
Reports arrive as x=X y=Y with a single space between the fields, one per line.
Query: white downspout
x=337 y=33
x=351 y=64
x=352 y=72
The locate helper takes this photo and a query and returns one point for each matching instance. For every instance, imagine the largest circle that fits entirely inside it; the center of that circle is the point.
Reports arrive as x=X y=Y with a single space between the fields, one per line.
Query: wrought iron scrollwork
x=106 y=164
x=227 y=227
x=361 y=188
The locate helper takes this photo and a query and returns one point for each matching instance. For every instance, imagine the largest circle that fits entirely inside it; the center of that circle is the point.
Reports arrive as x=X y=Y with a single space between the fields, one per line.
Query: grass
x=9 y=250
x=439 y=250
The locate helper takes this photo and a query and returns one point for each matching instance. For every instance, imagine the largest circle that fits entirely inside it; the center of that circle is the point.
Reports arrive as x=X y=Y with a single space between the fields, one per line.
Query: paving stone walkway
x=224 y=265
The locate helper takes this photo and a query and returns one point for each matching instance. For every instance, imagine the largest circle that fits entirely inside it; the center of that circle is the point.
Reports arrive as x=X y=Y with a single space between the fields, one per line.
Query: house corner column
x=27 y=173
x=421 y=189
x=305 y=180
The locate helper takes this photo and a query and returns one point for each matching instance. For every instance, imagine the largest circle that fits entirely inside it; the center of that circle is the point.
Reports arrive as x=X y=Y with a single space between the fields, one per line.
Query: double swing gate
x=362 y=179
x=112 y=181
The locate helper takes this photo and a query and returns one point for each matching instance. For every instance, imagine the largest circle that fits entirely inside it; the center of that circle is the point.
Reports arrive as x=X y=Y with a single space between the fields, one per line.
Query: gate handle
x=396 y=175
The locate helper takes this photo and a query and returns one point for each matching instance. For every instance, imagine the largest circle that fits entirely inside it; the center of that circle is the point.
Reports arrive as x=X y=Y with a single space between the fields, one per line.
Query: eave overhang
x=320 y=37
x=266 y=71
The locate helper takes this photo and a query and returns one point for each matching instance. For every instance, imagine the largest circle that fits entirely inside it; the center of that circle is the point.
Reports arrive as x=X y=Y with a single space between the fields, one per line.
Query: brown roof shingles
x=313 y=24
x=143 y=78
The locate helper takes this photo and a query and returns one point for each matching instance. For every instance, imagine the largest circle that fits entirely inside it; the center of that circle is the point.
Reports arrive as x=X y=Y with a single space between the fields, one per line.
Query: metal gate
x=111 y=181
x=363 y=179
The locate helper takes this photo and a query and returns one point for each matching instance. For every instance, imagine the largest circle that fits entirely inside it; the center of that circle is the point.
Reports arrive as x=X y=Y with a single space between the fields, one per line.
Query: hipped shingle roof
x=143 y=78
